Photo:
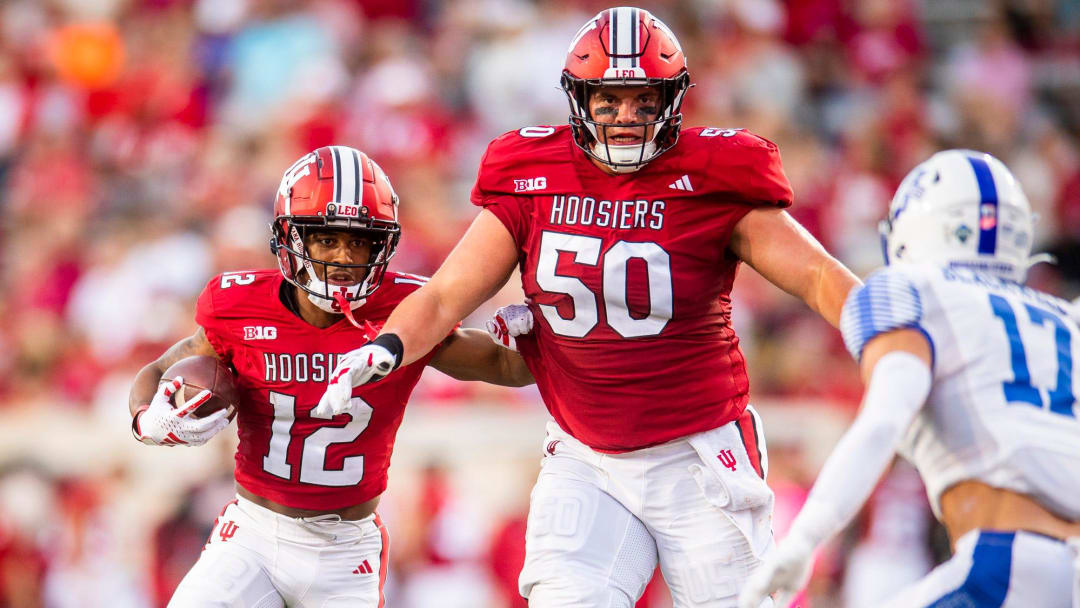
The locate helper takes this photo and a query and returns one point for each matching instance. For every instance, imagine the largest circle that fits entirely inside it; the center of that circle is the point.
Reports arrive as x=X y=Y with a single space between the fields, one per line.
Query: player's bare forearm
x=832 y=287
x=146 y=381
x=473 y=272
x=421 y=320
x=470 y=354
x=786 y=254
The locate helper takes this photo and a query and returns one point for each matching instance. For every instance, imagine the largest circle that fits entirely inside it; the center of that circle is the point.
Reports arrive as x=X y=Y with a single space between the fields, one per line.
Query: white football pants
x=999 y=569
x=599 y=523
x=257 y=558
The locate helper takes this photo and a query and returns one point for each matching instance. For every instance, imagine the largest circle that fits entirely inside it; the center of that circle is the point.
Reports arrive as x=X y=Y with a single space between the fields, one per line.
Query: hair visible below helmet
x=334 y=188
x=961 y=208
x=625 y=46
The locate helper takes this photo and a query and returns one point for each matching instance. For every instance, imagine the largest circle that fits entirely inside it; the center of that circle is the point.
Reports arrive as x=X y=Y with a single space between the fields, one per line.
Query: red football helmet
x=625 y=46
x=340 y=188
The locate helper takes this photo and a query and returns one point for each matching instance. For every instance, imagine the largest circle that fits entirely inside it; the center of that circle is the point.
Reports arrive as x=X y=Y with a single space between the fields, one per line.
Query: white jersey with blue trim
x=1003 y=408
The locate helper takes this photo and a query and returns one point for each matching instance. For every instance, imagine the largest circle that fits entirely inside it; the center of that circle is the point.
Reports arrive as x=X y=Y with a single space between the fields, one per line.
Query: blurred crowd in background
x=142 y=141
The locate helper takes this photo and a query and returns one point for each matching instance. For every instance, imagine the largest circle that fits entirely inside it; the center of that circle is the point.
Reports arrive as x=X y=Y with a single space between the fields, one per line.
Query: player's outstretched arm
x=782 y=251
x=473 y=272
x=477 y=267
x=896 y=367
x=146 y=381
x=470 y=354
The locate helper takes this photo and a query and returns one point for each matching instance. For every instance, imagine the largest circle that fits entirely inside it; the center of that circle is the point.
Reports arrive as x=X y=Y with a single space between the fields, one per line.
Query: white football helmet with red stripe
x=625 y=46
x=339 y=188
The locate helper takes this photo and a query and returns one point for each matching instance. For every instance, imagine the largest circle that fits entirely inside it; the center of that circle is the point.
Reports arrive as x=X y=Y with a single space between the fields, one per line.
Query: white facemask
x=314 y=283
x=348 y=291
x=620 y=155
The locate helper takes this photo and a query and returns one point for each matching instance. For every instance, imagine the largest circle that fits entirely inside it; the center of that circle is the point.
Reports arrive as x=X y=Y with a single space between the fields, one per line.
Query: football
x=205 y=373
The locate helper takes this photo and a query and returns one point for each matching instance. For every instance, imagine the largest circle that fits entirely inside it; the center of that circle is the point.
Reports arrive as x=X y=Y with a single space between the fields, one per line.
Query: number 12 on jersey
x=1020 y=389
x=313 y=453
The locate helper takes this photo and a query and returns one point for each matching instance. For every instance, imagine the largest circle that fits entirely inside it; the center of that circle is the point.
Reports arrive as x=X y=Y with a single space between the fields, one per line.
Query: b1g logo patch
x=260 y=332
x=528 y=185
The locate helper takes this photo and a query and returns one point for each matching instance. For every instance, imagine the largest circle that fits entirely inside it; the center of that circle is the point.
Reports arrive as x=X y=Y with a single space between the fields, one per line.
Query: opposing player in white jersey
x=974 y=378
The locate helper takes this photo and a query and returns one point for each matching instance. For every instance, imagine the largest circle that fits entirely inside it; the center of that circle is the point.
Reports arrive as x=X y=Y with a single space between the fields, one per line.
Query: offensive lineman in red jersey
x=303 y=530
x=628 y=236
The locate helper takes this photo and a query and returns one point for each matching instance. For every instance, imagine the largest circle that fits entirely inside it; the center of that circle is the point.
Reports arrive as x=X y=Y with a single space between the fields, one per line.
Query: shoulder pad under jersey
x=889 y=300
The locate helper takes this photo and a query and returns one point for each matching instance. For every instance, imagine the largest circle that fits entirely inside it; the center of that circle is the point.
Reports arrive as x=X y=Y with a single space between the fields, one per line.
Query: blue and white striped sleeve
x=889 y=300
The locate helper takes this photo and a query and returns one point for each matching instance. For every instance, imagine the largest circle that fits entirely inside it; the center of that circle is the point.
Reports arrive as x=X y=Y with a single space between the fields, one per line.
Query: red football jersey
x=629 y=276
x=282 y=365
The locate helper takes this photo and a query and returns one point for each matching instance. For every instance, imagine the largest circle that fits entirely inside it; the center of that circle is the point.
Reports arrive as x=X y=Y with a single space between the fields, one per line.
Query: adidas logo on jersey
x=683 y=183
x=363 y=568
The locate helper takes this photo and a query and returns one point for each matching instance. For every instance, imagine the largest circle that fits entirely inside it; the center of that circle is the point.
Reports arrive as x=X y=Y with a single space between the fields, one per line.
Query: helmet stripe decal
x=355 y=176
x=359 y=177
x=635 y=29
x=988 y=205
x=337 y=173
x=346 y=175
x=613 y=24
x=623 y=32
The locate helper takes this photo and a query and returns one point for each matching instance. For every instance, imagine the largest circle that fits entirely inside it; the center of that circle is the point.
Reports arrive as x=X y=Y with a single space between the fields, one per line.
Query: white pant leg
x=710 y=512
x=1074 y=546
x=262 y=559
x=351 y=570
x=230 y=571
x=1010 y=570
x=583 y=549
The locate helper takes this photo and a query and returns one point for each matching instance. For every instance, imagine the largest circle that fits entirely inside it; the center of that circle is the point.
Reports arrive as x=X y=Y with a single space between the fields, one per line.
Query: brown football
x=201 y=373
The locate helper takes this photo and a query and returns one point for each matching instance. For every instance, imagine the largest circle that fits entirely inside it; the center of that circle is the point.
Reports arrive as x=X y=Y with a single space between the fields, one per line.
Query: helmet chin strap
x=344 y=305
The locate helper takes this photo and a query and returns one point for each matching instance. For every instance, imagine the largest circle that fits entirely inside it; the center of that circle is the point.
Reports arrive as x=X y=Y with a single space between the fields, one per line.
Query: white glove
x=508 y=323
x=369 y=363
x=162 y=424
x=787 y=570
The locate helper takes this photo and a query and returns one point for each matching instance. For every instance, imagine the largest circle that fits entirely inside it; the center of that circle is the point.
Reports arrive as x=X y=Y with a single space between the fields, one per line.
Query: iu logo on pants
x=727 y=459
x=228 y=529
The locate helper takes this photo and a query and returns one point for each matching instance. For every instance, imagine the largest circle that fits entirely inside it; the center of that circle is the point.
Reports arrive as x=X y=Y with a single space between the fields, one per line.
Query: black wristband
x=393 y=344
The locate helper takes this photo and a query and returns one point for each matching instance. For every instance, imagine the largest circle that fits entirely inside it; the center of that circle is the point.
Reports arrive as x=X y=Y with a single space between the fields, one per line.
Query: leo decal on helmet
x=961 y=208
x=625 y=46
x=338 y=188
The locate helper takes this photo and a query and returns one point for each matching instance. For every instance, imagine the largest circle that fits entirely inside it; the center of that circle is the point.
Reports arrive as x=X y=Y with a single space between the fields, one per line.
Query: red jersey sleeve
x=509 y=209
x=513 y=212
x=518 y=166
x=754 y=163
x=207 y=318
